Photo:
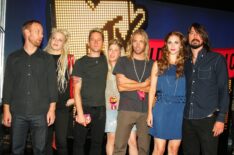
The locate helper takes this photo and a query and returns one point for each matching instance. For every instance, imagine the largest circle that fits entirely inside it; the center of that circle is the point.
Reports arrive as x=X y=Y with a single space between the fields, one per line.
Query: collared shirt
x=207 y=86
x=30 y=82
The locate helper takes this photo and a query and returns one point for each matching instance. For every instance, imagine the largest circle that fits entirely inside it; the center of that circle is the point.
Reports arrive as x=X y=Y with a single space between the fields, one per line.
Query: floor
x=28 y=150
x=225 y=143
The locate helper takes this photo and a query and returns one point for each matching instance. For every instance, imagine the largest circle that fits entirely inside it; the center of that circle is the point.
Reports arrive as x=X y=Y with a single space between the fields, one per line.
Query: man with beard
x=133 y=81
x=207 y=97
x=29 y=91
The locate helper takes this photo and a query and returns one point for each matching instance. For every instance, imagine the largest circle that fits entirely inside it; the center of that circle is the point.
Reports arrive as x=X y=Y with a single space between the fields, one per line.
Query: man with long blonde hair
x=133 y=80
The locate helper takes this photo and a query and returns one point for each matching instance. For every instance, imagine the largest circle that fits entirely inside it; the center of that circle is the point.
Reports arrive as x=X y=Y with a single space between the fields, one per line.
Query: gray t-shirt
x=129 y=100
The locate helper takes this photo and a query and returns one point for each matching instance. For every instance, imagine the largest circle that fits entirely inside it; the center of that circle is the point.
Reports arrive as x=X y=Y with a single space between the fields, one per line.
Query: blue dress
x=169 y=107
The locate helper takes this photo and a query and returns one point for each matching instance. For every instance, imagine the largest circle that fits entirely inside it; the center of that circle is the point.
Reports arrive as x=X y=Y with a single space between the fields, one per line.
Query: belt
x=213 y=114
x=210 y=115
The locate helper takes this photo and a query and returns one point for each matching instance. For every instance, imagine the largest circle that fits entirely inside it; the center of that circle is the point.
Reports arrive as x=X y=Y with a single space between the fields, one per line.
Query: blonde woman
x=115 y=50
x=58 y=48
x=167 y=79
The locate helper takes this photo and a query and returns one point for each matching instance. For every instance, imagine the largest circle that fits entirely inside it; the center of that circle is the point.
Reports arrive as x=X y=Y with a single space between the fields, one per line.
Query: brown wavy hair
x=164 y=64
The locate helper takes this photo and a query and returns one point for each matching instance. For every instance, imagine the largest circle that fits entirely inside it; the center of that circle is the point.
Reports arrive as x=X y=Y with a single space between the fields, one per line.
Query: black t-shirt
x=129 y=100
x=93 y=72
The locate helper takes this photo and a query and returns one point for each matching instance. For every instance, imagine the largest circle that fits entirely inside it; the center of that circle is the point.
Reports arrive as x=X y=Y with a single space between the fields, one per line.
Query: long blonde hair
x=62 y=64
x=129 y=50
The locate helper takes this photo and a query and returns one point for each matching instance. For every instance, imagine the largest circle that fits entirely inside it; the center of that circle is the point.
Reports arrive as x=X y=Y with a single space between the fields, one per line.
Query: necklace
x=143 y=73
x=171 y=85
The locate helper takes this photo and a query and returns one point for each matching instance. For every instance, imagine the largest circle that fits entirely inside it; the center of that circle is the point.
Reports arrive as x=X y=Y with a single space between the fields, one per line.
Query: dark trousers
x=97 y=129
x=198 y=137
x=125 y=122
x=49 y=149
x=1 y=138
x=1 y=132
x=60 y=128
x=20 y=127
x=232 y=129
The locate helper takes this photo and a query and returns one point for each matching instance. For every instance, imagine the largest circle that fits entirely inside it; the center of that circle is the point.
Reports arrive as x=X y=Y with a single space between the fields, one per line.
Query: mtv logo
x=117 y=18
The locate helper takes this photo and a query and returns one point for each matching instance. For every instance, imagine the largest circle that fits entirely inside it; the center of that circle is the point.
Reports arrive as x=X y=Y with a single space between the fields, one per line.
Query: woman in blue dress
x=168 y=83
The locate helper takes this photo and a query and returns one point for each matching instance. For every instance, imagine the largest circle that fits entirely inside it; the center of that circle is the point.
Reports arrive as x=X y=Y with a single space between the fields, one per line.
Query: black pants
x=232 y=128
x=1 y=138
x=20 y=127
x=61 y=130
x=198 y=137
x=49 y=149
x=97 y=129
x=1 y=132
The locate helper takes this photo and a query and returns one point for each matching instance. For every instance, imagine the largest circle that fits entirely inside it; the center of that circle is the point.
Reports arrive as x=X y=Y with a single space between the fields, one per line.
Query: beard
x=195 y=44
x=35 y=42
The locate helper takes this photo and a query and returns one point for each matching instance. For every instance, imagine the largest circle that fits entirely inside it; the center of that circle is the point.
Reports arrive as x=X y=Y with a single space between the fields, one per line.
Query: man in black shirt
x=207 y=97
x=90 y=73
x=29 y=91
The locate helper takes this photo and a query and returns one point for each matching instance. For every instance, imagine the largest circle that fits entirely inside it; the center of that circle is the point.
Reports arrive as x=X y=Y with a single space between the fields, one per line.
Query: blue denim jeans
x=37 y=125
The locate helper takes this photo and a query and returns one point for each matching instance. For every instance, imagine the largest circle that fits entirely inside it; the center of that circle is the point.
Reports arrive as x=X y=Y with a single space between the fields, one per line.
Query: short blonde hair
x=119 y=44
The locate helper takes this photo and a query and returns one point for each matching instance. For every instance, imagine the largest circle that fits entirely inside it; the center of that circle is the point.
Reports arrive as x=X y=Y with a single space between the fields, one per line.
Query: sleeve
x=77 y=70
x=222 y=83
x=119 y=67
x=52 y=82
x=8 y=82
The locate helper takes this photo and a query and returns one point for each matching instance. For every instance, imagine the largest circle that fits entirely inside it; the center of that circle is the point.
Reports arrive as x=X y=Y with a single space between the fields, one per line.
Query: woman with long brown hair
x=168 y=82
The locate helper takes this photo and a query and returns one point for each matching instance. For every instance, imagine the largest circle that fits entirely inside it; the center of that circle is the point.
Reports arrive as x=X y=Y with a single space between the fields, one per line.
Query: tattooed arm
x=78 y=101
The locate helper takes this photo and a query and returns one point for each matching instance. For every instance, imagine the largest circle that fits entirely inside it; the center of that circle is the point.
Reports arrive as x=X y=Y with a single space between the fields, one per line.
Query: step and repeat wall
x=118 y=19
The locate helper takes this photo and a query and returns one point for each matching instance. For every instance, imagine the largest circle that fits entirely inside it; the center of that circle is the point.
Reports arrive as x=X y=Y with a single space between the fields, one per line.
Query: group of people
x=182 y=97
